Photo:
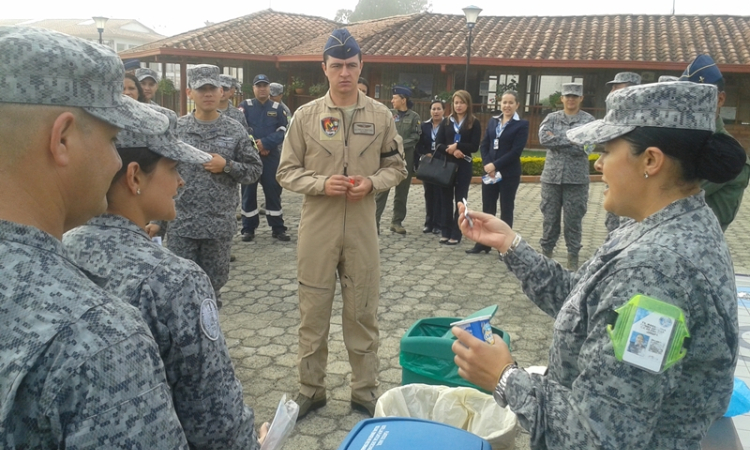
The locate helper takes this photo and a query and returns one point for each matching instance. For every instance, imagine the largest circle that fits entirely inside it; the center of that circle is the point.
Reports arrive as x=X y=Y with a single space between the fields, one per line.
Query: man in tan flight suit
x=339 y=151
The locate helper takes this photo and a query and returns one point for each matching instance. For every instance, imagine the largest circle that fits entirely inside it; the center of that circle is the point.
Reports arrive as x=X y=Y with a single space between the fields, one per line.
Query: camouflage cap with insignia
x=686 y=106
x=227 y=82
x=165 y=144
x=144 y=72
x=626 y=77
x=702 y=70
x=44 y=67
x=572 y=89
x=203 y=74
x=341 y=45
x=276 y=89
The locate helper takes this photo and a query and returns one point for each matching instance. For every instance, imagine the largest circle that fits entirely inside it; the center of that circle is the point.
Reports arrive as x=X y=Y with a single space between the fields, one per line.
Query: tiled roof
x=571 y=40
x=247 y=35
x=117 y=28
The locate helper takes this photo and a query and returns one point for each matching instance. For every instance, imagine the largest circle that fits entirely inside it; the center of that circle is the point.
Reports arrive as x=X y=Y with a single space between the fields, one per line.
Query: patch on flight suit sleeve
x=329 y=127
x=210 y=319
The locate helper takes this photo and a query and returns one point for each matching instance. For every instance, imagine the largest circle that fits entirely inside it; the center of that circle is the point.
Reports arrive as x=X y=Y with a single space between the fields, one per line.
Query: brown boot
x=307 y=404
x=572 y=261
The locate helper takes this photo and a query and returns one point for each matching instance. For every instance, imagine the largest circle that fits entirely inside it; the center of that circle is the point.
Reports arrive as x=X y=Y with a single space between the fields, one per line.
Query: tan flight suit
x=339 y=235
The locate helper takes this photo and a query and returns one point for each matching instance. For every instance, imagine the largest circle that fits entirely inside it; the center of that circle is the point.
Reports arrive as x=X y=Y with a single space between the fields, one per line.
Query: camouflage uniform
x=409 y=127
x=565 y=181
x=206 y=207
x=237 y=115
x=588 y=399
x=177 y=302
x=78 y=367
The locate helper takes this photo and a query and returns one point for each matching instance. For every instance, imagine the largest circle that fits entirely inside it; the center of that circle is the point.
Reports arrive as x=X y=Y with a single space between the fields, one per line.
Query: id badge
x=496 y=145
x=649 y=334
x=433 y=146
x=457 y=138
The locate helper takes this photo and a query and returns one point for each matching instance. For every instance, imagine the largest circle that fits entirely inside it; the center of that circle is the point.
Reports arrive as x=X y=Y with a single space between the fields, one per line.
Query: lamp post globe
x=100 y=21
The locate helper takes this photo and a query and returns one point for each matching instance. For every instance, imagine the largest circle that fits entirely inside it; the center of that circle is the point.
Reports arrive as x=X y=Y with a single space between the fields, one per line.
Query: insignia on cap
x=341 y=44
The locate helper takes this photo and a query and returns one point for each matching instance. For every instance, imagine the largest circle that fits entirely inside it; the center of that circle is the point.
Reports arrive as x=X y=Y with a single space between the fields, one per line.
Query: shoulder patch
x=210 y=319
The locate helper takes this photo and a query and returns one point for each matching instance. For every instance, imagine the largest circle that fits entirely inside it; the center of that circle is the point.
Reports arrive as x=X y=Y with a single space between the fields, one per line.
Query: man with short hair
x=723 y=198
x=268 y=121
x=149 y=80
x=78 y=367
x=205 y=222
x=277 y=92
x=340 y=150
x=229 y=84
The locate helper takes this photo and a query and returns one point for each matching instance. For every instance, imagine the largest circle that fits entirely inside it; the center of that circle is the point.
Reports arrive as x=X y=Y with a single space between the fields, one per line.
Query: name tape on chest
x=363 y=128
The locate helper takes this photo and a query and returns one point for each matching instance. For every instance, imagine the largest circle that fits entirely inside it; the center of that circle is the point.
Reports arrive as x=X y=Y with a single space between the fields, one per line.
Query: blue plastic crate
x=401 y=433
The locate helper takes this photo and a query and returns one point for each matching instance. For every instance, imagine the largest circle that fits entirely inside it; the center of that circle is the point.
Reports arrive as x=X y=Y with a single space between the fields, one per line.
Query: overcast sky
x=171 y=17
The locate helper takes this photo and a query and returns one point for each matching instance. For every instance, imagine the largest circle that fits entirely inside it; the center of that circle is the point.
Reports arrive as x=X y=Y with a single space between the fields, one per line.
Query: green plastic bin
x=426 y=355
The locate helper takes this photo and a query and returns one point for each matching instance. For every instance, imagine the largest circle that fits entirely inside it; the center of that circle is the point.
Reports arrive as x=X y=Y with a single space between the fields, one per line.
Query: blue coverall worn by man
x=268 y=122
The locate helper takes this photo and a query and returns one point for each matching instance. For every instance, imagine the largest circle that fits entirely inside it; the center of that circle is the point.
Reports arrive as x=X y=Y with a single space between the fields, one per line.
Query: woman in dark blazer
x=457 y=139
x=504 y=140
x=426 y=146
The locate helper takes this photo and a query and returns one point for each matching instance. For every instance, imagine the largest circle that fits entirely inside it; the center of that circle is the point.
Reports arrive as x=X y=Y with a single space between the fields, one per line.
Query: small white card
x=648 y=341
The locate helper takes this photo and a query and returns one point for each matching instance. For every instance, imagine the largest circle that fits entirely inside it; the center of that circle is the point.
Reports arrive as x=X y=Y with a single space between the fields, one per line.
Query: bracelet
x=513 y=245
x=499 y=393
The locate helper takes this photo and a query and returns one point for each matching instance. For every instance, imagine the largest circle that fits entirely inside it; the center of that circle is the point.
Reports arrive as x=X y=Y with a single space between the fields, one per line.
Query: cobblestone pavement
x=420 y=278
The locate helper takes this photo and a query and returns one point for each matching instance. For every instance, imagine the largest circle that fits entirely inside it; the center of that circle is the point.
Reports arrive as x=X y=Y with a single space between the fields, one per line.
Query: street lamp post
x=471 y=13
x=100 y=21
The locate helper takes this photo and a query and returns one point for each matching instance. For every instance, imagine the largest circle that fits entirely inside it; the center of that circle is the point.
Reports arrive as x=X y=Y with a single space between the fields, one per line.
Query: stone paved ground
x=420 y=278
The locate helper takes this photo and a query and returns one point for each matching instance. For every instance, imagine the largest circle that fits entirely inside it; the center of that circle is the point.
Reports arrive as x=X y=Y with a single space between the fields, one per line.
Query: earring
x=139 y=189
x=645 y=175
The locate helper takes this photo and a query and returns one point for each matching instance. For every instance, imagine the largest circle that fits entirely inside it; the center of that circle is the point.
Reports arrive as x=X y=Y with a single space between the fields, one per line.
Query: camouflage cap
x=227 y=82
x=666 y=78
x=682 y=105
x=626 y=77
x=572 y=89
x=203 y=74
x=276 y=89
x=165 y=144
x=44 y=67
x=144 y=72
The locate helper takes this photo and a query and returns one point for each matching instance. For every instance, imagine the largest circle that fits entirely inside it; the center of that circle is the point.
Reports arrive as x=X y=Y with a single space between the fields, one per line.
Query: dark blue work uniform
x=268 y=122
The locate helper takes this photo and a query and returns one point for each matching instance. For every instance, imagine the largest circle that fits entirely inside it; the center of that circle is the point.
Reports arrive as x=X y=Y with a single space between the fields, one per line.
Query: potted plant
x=297 y=85
x=317 y=90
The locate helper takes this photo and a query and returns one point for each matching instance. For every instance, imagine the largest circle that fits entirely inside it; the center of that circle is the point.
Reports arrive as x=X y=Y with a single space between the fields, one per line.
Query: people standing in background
x=426 y=146
x=723 y=198
x=269 y=123
x=504 y=140
x=363 y=86
x=149 y=80
x=409 y=126
x=621 y=81
x=565 y=178
x=458 y=138
x=205 y=222
x=229 y=87
x=132 y=88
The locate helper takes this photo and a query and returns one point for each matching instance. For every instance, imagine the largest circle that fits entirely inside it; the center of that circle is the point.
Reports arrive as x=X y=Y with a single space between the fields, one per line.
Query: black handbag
x=440 y=172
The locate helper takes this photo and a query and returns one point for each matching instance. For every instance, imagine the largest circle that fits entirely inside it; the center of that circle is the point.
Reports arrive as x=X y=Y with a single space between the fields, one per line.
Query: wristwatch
x=513 y=245
x=228 y=166
x=499 y=393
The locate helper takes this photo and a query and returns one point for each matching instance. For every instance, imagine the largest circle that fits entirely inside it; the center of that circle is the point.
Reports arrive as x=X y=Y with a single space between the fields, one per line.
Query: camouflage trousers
x=212 y=255
x=612 y=221
x=566 y=201
x=401 y=195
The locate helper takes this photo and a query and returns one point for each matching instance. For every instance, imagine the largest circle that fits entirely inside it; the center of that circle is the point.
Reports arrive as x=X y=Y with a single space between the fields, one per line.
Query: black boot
x=478 y=248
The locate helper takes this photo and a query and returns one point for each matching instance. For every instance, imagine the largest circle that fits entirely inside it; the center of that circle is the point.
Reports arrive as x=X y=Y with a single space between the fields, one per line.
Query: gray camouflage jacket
x=237 y=115
x=208 y=201
x=566 y=162
x=589 y=399
x=177 y=302
x=78 y=367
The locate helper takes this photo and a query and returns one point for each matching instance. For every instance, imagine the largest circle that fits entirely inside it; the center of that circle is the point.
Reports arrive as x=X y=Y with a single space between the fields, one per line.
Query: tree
x=377 y=9
x=342 y=15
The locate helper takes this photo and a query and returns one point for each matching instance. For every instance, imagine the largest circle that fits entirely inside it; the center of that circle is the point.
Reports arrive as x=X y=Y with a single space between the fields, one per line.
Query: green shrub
x=530 y=165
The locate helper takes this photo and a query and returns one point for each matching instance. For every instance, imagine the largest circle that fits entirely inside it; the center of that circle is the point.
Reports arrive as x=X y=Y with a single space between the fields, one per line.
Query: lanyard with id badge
x=649 y=334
